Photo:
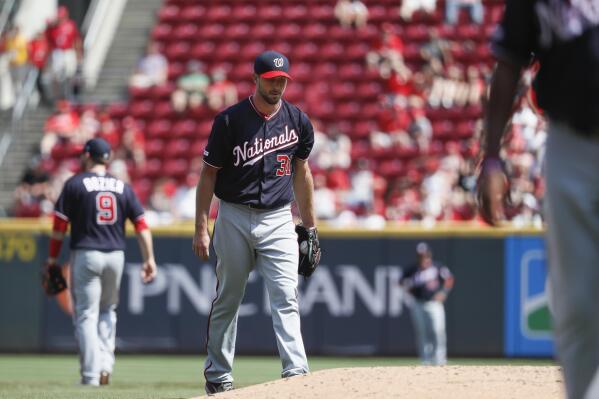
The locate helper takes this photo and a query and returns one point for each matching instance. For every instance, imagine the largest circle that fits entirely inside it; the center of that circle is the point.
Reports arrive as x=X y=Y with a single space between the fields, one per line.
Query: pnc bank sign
x=340 y=289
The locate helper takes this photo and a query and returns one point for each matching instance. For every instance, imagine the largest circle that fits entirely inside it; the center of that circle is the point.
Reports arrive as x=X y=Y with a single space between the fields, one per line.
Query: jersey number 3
x=285 y=168
x=106 y=208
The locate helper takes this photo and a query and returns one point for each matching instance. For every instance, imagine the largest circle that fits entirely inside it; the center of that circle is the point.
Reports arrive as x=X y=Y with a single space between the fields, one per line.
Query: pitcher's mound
x=448 y=382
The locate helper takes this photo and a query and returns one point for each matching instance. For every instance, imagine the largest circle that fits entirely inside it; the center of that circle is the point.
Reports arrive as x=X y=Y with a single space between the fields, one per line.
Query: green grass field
x=162 y=377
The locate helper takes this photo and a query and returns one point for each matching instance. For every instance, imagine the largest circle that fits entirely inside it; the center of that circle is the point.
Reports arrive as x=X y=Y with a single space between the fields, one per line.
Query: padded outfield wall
x=352 y=305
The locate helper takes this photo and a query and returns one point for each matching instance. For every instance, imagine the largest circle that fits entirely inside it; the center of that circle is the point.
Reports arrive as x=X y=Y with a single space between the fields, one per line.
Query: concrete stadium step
x=129 y=45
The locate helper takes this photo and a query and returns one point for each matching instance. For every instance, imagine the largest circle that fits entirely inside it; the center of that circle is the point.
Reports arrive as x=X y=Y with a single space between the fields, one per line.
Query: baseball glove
x=53 y=281
x=309 y=250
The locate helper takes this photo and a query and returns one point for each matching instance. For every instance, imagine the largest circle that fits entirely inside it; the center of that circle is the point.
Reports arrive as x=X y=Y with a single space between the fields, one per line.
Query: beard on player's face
x=271 y=90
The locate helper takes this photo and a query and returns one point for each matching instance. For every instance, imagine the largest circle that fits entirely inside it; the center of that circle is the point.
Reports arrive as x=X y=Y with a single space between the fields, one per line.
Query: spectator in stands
x=108 y=130
x=132 y=143
x=151 y=70
x=361 y=194
x=476 y=86
x=387 y=55
x=89 y=125
x=420 y=129
x=191 y=87
x=32 y=192
x=61 y=128
x=39 y=52
x=332 y=150
x=326 y=200
x=184 y=199
x=221 y=93
x=67 y=52
x=436 y=191
x=161 y=201
x=7 y=95
x=118 y=169
x=437 y=51
x=16 y=47
x=409 y=7
x=351 y=13
x=453 y=7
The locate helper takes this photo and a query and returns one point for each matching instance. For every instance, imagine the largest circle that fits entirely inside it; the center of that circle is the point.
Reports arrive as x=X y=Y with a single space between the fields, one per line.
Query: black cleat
x=217 y=387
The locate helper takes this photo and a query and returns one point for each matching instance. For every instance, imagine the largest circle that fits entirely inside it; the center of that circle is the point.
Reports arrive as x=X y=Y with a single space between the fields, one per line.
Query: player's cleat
x=216 y=387
x=104 y=378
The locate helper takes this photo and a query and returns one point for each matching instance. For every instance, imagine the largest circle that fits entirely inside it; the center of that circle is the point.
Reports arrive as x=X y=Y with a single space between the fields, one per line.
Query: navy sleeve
x=306 y=139
x=217 y=147
x=63 y=203
x=515 y=38
x=134 y=207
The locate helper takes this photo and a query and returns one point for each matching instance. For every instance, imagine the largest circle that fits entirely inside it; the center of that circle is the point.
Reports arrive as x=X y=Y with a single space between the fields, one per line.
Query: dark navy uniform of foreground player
x=563 y=36
x=256 y=164
x=97 y=205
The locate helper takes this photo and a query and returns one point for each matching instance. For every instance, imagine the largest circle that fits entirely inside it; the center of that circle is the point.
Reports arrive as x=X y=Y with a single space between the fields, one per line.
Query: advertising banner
x=352 y=305
x=527 y=316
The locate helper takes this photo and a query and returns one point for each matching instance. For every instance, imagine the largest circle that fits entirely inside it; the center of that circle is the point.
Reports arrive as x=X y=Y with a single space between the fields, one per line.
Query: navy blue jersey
x=564 y=36
x=97 y=208
x=255 y=154
x=423 y=284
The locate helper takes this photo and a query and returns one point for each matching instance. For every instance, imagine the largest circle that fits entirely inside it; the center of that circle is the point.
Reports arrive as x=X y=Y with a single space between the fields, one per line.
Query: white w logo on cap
x=279 y=62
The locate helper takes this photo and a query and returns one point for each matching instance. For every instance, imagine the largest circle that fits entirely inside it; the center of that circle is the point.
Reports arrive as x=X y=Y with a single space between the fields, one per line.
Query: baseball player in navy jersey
x=256 y=164
x=429 y=284
x=96 y=205
x=563 y=36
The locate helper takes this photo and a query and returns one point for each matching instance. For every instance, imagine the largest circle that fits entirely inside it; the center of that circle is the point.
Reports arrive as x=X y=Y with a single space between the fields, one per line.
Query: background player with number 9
x=97 y=205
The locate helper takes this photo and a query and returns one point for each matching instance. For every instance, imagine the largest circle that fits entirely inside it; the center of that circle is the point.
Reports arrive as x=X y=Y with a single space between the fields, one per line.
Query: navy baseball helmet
x=97 y=149
x=271 y=64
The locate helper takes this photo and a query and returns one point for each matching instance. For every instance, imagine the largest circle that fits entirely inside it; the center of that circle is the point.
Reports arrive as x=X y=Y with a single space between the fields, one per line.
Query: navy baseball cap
x=271 y=64
x=97 y=148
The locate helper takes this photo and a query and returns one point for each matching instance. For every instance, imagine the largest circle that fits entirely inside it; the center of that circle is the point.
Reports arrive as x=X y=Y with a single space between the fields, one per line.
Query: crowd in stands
x=54 y=53
x=418 y=164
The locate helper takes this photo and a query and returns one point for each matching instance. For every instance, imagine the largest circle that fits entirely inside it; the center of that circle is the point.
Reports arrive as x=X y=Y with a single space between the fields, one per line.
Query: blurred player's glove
x=309 y=250
x=53 y=281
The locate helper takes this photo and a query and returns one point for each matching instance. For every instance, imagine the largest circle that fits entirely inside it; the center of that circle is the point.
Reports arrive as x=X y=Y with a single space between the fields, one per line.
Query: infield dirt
x=448 y=382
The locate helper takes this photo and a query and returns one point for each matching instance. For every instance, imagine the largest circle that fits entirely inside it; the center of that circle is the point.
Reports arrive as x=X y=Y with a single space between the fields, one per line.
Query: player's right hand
x=493 y=192
x=201 y=243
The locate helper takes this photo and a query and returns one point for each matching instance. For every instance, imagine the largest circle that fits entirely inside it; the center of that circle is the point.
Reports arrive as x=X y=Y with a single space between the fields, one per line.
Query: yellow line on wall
x=404 y=230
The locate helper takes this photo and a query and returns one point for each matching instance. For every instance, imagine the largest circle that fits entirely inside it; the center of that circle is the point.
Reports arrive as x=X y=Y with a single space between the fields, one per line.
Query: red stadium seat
x=176 y=168
x=185 y=128
x=169 y=14
x=244 y=12
x=159 y=128
x=154 y=148
x=188 y=31
x=193 y=13
x=270 y=12
x=218 y=13
x=177 y=148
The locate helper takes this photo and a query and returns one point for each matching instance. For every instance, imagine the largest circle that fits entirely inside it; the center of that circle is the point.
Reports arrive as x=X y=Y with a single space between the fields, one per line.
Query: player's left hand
x=440 y=296
x=148 y=271
x=493 y=191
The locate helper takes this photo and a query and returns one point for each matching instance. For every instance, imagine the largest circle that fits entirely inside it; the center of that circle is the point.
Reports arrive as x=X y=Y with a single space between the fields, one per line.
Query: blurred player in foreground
x=563 y=36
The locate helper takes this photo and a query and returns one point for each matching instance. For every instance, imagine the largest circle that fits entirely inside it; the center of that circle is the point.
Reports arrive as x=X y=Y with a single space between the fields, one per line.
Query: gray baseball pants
x=96 y=278
x=245 y=239
x=572 y=213
x=428 y=318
